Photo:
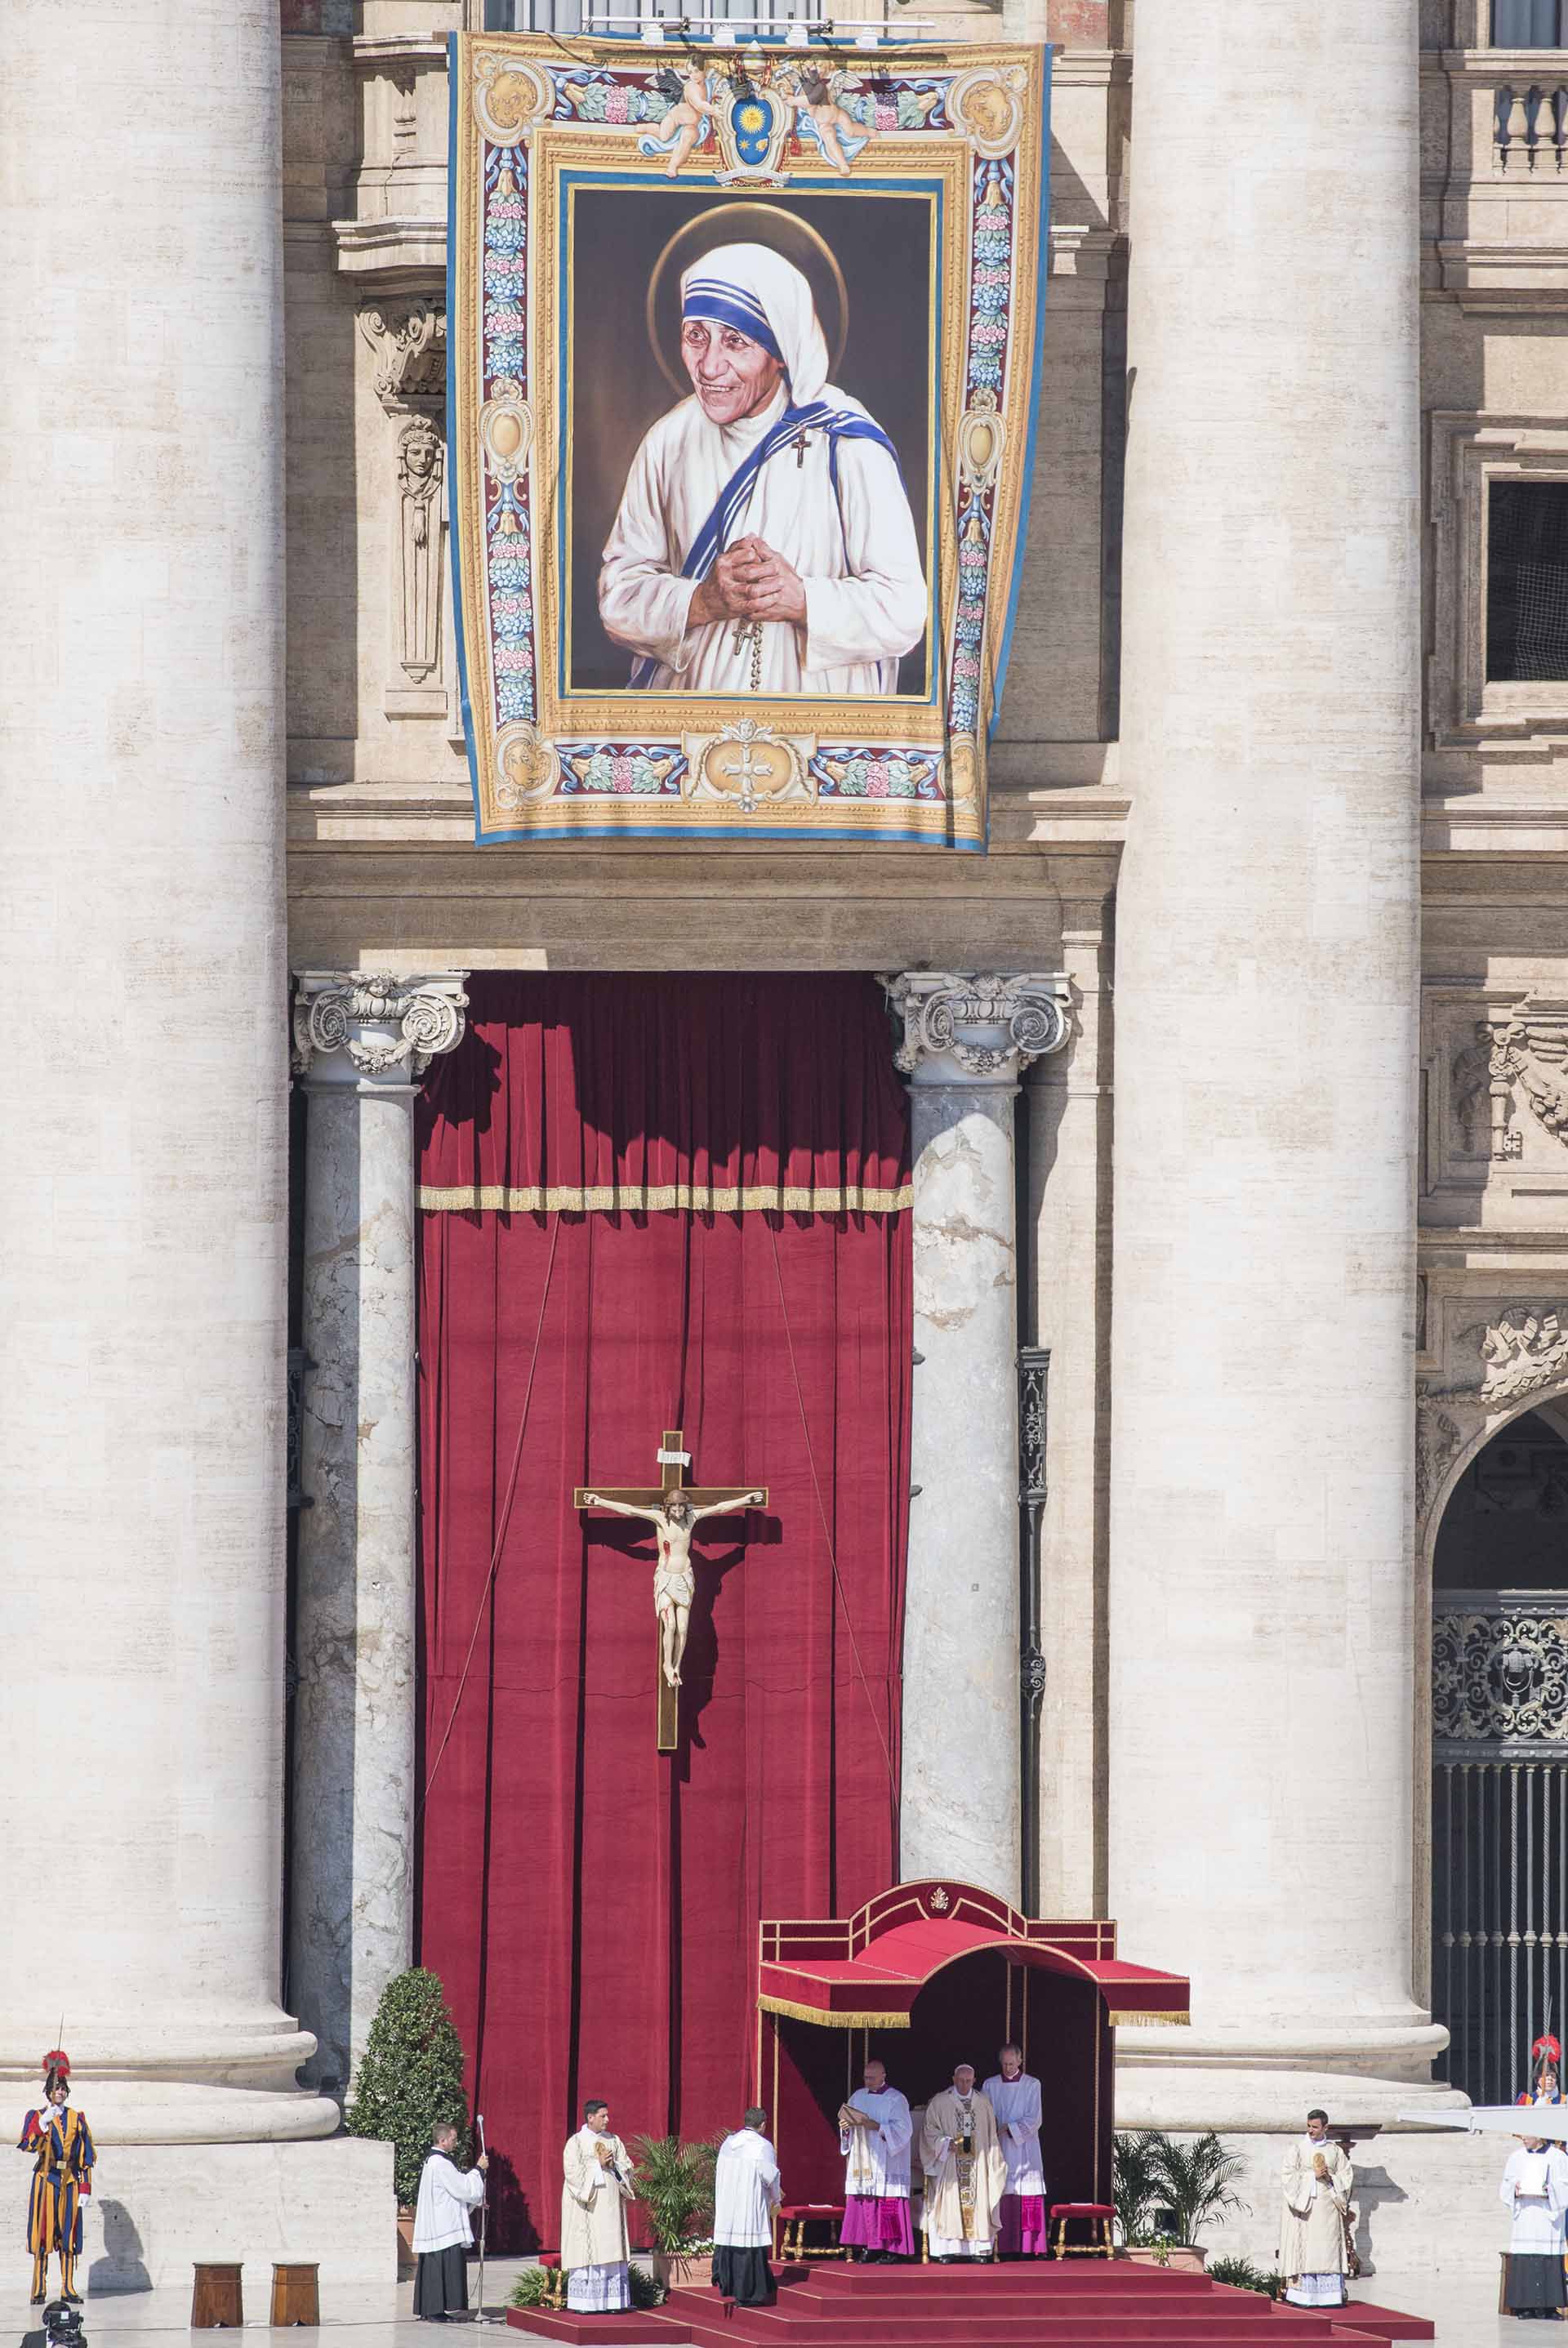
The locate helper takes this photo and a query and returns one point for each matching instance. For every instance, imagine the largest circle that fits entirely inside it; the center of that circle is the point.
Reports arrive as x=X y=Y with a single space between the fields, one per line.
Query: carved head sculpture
x=418 y=457
x=679 y=1511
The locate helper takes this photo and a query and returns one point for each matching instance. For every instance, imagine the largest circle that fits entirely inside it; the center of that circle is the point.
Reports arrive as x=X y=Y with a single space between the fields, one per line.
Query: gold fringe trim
x=662 y=1198
x=793 y=2013
x=1120 y=2020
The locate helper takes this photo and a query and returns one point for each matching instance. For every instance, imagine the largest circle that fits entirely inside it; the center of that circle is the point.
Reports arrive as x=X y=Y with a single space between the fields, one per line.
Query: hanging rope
x=502 y=1526
x=826 y=1529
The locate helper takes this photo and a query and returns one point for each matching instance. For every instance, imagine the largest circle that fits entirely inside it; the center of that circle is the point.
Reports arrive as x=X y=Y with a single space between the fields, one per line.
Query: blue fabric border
x=1027 y=486
x=480 y=834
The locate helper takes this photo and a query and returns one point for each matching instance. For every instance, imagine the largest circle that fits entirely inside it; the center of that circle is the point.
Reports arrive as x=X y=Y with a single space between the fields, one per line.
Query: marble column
x=362 y=1042
x=967 y=1037
x=144 y=1178
x=1261 y=1575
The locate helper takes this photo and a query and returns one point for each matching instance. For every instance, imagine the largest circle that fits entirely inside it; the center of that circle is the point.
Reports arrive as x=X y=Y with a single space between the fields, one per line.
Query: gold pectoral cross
x=674 y=1461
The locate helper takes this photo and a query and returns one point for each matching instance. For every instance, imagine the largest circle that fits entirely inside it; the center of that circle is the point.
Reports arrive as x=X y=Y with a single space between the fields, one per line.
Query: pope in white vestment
x=965 y=2173
x=1311 y=2222
x=1534 y=2191
x=595 y=2251
x=1015 y=2097
x=764 y=542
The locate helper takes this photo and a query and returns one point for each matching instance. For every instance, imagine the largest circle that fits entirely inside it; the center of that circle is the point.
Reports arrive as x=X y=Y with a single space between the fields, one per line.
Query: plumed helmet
x=1547 y=2049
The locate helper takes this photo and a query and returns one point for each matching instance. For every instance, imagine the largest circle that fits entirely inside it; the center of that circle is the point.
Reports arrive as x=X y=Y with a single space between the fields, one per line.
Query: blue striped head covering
x=766 y=298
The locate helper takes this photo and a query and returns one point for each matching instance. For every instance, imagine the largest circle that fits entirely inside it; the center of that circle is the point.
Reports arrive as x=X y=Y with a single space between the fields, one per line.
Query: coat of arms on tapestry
x=744 y=354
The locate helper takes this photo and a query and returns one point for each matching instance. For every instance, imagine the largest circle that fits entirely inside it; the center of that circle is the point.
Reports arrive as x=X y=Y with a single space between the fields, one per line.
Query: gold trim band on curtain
x=1119 y=2021
x=793 y=2013
x=662 y=1199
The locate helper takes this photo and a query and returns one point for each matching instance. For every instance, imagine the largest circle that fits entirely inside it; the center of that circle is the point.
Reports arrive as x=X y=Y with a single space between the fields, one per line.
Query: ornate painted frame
x=533 y=117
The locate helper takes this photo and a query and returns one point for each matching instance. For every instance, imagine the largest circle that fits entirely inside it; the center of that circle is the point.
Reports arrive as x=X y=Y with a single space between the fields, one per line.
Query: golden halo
x=740 y=223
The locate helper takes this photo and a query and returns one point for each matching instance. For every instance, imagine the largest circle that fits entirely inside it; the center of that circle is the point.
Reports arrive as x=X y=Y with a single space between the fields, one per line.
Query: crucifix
x=674 y=1508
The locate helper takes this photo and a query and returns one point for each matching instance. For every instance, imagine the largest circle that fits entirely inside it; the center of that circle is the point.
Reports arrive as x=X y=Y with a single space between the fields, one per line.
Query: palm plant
x=675 y=2185
x=1132 y=2184
x=1192 y=2181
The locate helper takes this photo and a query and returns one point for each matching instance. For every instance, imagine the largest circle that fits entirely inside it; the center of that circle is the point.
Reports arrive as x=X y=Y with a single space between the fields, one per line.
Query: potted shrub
x=1165 y=2192
x=675 y=2185
x=411 y=2076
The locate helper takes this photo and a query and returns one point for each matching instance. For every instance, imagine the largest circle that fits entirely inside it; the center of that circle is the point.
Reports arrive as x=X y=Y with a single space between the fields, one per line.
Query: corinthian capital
x=360 y=1023
x=976 y=1024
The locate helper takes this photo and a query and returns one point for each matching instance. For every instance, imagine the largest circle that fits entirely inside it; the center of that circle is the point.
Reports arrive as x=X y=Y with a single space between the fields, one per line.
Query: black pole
x=1033 y=1370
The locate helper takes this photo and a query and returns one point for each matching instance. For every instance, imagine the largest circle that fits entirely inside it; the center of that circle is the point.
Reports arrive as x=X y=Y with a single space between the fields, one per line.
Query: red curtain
x=592 y=1905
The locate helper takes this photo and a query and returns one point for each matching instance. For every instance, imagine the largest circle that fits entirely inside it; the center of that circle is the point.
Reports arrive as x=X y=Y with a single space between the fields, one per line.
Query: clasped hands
x=748 y=582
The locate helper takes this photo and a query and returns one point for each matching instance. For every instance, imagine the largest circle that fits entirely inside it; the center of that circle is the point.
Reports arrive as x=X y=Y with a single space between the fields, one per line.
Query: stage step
x=1116 y=2305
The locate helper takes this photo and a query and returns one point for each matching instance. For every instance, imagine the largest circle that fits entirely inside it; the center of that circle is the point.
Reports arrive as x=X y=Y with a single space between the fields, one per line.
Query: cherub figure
x=690 y=106
x=828 y=118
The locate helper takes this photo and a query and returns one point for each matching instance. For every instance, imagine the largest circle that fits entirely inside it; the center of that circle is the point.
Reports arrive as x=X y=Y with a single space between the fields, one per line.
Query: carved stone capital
x=980 y=1026
x=410 y=341
x=356 y=1026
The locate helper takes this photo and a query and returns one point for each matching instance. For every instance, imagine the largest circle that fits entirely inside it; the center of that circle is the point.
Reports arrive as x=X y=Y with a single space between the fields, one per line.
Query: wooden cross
x=642 y=1500
x=799 y=445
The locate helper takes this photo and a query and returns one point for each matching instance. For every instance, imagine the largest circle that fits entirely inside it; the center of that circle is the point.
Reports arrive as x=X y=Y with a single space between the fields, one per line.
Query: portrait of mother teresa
x=764 y=541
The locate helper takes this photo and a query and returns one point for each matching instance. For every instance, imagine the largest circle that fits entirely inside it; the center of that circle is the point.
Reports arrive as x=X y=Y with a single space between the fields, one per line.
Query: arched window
x=1499 y=1757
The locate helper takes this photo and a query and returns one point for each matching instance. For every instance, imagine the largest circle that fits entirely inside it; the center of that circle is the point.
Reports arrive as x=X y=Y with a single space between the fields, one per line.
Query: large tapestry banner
x=743 y=361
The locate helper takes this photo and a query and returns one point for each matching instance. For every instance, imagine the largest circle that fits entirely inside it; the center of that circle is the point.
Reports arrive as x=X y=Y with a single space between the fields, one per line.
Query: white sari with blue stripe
x=821 y=485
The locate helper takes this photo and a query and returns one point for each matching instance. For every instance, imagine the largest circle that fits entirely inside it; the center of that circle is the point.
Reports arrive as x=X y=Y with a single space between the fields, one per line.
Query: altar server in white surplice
x=1534 y=2191
x=746 y=2193
x=1015 y=2097
x=1315 y=2179
x=764 y=542
x=443 y=2228
x=595 y=2251
x=875 y=2127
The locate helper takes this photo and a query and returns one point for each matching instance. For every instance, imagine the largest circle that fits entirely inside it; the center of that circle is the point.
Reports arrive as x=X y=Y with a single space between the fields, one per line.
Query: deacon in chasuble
x=1015 y=2097
x=965 y=2174
x=765 y=543
x=874 y=2132
x=443 y=2228
x=746 y=2192
x=595 y=2251
x=1316 y=2180
x=1534 y=2191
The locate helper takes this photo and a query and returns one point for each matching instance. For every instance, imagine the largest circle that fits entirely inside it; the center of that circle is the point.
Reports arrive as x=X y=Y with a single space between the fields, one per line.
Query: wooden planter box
x=1181 y=2257
x=406 y=2262
x=681 y=2270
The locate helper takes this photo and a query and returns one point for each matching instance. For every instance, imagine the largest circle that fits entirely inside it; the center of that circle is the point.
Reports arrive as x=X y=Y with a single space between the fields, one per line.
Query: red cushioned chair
x=1096 y=2215
x=794 y=2217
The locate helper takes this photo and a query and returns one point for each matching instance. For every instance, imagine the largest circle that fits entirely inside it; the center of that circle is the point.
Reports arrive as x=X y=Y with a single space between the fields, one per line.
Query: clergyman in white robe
x=1312 y=2221
x=877 y=2222
x=1015 y=2100
x=746 y=2192
x=966 y=2173
x=828 y=497
x=1534 y=2191
x=595 y=2249
x=443 y=2228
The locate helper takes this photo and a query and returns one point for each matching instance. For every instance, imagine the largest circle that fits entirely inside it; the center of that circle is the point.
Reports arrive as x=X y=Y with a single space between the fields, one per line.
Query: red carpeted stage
x=1071 y=2303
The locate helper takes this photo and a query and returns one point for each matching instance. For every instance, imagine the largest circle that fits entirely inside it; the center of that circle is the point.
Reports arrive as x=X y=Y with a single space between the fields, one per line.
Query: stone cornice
x=395 y=255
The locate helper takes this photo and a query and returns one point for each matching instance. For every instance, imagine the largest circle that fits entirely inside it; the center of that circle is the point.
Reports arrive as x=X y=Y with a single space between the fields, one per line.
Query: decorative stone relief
x=376 y=1026
x=1490 y=1367
x=410 y=341
x=420 y=466
x=983 y=1022
x=1437 y=1441
x=1523 y=1350
x=1527 y=1055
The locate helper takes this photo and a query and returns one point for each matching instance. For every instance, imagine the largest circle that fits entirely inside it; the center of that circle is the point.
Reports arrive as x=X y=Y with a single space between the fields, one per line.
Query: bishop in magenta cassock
x=1015 y=2097
x=874 y=2132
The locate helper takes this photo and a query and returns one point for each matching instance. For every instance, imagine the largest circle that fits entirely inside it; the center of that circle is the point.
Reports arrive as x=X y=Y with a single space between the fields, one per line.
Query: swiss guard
x=63 y=2172
x=1545 y=2084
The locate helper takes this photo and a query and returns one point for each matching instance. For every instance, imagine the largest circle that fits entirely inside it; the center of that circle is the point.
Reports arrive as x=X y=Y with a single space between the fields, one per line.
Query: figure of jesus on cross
x=675 y=1510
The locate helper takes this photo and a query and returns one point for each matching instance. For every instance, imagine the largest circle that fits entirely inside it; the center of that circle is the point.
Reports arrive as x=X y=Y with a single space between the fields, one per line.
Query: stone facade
x=1304 y=684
